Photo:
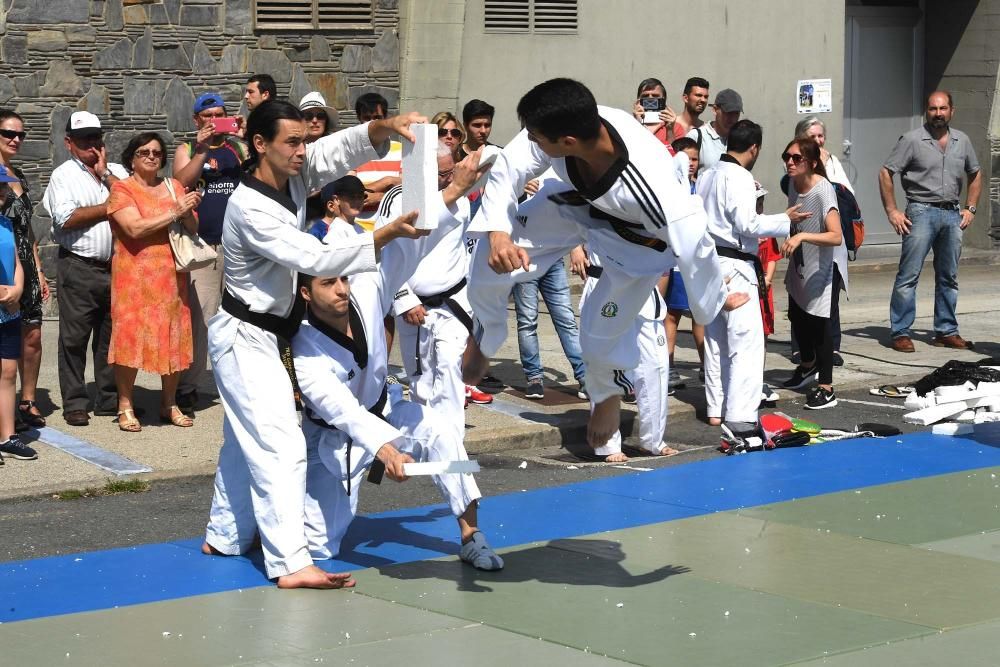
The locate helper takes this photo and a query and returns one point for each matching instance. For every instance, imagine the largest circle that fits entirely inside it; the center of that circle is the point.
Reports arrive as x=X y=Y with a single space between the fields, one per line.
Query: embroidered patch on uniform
x=350 y=374
x=401 y=293
x=610 y=309
x=660 y=340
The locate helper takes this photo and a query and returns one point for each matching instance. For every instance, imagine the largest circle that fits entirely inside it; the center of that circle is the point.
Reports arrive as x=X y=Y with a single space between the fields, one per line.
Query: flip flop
x=891 y=390
x=805 y=426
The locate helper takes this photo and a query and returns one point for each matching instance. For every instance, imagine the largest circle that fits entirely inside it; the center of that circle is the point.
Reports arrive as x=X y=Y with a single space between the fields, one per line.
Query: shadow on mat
x=372 y=532
x=573 y=562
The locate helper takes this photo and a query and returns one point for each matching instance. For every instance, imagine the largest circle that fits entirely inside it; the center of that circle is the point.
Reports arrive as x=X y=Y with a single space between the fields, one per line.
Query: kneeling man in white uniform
x=349 y=421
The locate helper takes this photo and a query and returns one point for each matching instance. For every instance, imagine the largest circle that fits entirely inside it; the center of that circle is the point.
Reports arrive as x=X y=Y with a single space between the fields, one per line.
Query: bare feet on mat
x=617 y=457
x=312 y=577
x=209 y=550
x=604 y=421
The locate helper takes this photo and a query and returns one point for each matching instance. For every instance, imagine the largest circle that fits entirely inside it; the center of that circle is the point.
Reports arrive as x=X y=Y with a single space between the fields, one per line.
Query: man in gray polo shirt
x=930 y=161
x=712 y=137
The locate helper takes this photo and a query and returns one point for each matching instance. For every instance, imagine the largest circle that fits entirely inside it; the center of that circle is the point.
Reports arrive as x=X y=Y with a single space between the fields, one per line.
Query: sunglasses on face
x=11 y=134
x=454 y=134
x=149 y=153
x=314 y=115
x=446 y=174
x=796 y=158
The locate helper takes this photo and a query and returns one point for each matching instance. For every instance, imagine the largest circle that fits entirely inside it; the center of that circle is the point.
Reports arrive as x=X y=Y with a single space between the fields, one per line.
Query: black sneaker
x=803 y=377
x=767 y=394
x=187 y=401
x=16 y=449
x=581 y=393
x=535 y=391
x=820 y=398
x=491 y=385
x=837 y=359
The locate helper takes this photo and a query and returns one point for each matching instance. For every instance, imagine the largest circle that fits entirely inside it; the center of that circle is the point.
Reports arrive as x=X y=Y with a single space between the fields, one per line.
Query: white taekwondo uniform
x=651 y=222
x=648 y=380
x=347 y=416
x=432 y=353
x=260 y=481
x=734 y=340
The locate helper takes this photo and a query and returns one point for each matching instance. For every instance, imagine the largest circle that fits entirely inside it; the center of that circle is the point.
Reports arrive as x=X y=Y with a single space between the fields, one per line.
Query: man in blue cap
x=211 y=164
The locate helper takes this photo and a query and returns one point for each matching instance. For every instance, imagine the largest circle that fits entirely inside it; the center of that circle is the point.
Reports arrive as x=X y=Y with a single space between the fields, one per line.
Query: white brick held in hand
x=420 y=183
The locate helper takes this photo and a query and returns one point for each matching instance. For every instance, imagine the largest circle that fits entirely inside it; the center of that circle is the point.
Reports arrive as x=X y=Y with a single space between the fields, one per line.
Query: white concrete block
x=934 y=413
x=915 y=402
x=954 y=392
x=968 y=416
x=952 y=428
x=488 y=157
x=420 y=191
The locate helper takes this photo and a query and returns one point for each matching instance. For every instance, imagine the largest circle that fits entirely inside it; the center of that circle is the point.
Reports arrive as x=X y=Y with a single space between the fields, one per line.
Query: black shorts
x=10 y=339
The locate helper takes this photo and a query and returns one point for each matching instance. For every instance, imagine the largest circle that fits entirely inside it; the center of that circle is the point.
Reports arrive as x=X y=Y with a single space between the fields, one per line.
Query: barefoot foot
x=604 y=421
x=312 y=577
x=714 y=421
x=617 y=457
x=209 y=550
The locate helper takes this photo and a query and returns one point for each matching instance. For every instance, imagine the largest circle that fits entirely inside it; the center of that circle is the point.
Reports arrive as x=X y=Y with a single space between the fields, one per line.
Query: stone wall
x=138 y=65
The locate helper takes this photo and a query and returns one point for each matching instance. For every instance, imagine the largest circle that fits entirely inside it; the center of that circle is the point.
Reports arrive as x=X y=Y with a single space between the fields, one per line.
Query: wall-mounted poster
x=815 y=96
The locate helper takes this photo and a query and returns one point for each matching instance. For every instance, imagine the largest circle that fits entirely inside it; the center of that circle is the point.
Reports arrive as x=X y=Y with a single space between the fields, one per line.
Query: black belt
x=733 y=253
x=444 y=299
x=99 y=263
x=378 y=468
x=284 y=328
x=947 y=205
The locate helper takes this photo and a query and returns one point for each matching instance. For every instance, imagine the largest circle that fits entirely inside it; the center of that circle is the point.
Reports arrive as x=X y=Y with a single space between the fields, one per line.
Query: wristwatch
x=106 y=175
x=971 y=209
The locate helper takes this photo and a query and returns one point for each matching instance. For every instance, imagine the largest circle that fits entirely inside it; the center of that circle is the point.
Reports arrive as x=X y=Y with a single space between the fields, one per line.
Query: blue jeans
x=939 y=229
x=555 y=291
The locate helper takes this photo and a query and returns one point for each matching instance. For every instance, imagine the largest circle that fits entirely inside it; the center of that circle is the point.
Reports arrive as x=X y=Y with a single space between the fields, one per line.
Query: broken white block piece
x=987 y=417
x=935 y=413
x=951 y=428
x=967 y=416
x=420 y=187
x=915 y=402
x=954 y=392
x=487 y=158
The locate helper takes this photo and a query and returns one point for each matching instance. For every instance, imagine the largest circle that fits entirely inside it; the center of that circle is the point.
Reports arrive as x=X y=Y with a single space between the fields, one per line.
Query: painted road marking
x=91 y=453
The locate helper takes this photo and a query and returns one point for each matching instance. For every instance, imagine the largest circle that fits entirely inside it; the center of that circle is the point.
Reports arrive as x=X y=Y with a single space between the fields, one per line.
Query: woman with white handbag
x=150 y=317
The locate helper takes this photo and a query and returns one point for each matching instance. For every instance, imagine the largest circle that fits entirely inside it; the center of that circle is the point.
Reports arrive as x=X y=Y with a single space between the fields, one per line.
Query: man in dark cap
x=713 y=137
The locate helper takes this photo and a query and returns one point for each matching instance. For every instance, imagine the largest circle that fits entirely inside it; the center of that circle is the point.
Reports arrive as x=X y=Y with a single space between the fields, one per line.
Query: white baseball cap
x=82 y=124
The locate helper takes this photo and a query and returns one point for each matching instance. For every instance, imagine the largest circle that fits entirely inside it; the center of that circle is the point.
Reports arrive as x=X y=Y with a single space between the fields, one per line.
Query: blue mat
x=150 y=573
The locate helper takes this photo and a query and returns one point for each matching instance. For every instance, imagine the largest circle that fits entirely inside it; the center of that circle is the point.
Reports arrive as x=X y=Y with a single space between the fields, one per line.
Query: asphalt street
x=178 y=508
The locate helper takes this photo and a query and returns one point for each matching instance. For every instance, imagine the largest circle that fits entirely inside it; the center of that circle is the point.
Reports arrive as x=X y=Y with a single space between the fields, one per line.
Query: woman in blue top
x=11 y=287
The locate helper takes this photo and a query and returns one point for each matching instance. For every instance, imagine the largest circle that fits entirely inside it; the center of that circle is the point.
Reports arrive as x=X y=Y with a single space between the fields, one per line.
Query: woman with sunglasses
x=319 y=123
x=16 y=205
x=449 y=131
x=814 y=247
x=151 y=320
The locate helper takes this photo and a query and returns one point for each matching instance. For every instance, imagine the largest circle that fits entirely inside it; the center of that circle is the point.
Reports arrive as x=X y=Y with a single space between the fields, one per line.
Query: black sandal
x=24 y=411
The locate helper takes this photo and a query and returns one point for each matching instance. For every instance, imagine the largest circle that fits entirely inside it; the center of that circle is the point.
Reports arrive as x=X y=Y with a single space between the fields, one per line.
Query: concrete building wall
x=139 y=64
x=760 y=49
x=962 y=56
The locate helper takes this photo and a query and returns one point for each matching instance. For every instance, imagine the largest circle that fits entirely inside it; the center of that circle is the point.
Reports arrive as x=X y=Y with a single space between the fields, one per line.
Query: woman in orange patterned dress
x=150 y=318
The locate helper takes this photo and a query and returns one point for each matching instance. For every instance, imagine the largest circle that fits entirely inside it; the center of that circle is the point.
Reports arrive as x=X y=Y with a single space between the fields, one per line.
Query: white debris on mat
x=961 y=405
x=951 y=428
x=524 y=464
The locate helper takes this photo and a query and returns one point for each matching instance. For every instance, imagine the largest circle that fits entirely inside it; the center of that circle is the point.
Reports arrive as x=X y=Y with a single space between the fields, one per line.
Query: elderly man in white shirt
x=76 y=199
x=260 y=481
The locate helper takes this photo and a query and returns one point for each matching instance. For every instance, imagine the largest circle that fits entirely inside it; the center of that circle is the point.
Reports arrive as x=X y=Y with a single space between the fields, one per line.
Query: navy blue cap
x=208 y=101
x=345 y=185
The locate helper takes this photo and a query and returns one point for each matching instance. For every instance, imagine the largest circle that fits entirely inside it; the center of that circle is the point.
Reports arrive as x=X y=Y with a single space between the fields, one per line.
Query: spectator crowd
x=123 y=295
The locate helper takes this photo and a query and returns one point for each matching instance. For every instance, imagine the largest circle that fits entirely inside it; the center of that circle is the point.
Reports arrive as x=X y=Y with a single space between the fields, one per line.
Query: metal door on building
x=883 y=75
